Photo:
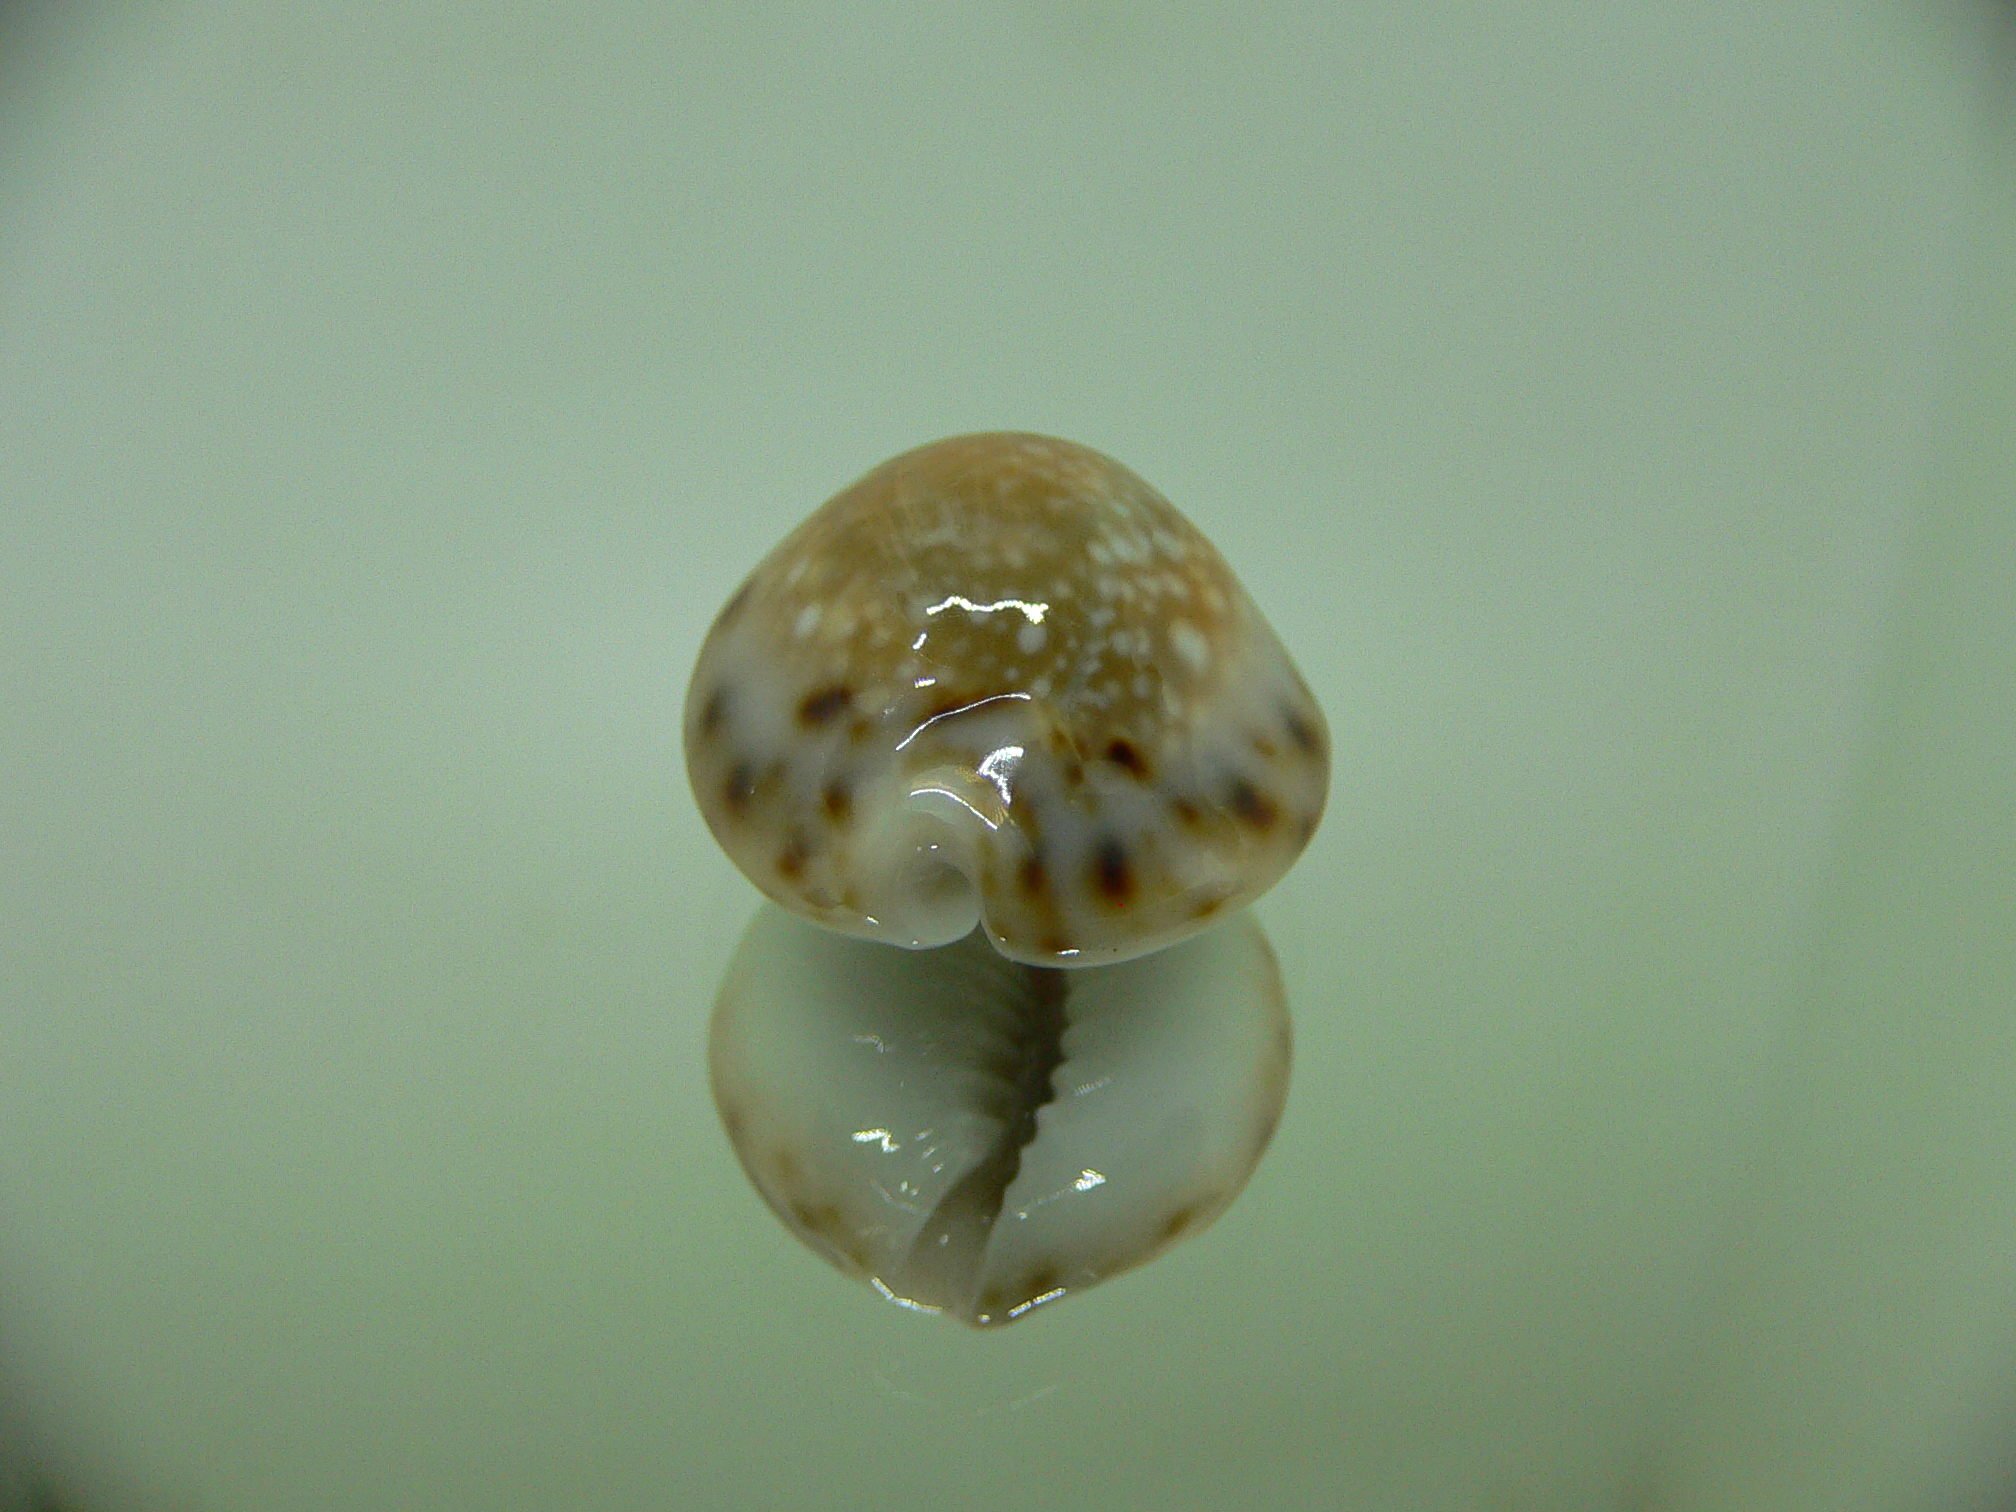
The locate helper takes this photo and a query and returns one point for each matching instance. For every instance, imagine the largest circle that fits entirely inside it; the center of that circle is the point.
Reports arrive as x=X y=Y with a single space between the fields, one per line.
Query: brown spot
x=714 y=710
x=1302 y=732
x=1207 y=907
x=1042 y=1279
x=1181 y=1219
x=991 y=1301
x=1187 y=812
x=740 y=788
x=791 y=859
x=1057 y=944
x=1251 y=805
x=1124 y=753
x=859 y=728
x=823 y=705
x=1265 y=746
x=786 y=1164
x=1111 y=874
x=1032 y=878
x=838 y=803
x=1074 y=773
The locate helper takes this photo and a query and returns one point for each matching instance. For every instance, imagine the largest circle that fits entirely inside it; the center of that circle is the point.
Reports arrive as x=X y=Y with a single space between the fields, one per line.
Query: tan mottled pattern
x=1000 y=677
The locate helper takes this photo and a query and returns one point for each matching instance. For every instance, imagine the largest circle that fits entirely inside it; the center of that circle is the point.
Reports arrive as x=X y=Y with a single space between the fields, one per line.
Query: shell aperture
x=978 y=1137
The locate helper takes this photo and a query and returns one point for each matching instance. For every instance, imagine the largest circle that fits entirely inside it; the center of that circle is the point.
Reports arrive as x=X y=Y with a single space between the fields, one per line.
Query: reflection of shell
x=1000 y=679
x=980 y=1137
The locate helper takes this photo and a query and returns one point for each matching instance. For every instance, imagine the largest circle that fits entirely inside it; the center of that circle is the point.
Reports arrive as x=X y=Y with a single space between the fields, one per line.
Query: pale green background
x=1604 y=402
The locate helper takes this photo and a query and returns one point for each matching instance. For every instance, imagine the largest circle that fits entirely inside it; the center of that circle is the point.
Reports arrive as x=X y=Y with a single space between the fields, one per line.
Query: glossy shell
x=1001 y=680
x=980 y=1138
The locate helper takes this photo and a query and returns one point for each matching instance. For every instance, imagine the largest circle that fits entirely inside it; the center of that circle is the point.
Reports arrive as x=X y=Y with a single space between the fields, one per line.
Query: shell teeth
x=979 y=1137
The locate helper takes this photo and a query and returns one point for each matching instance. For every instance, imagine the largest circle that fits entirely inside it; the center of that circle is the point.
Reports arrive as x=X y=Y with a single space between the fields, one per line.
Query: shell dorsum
x=1000 y=680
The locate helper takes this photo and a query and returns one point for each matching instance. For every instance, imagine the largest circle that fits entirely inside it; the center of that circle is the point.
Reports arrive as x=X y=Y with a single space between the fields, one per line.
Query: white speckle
x=1040 y=687
x=1030 y=638
x=807 y=621
x=1142 y=686
x=881 y=1136
x=1087 y=1178
x=1189 y=643
x=1101 y=553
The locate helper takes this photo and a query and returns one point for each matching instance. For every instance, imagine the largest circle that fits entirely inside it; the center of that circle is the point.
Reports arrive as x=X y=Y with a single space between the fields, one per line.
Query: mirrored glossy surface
x=978 y=1137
